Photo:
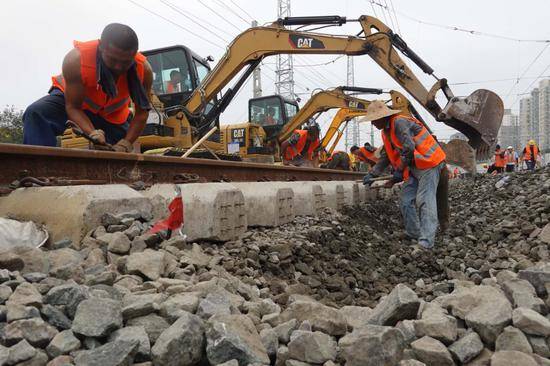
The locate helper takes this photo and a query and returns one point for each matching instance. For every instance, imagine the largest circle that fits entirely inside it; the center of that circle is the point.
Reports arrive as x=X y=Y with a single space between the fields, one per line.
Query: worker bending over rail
x=365 y=154
x=339 y=160
x=302 y=148
x=98 y=80
x=416 y=158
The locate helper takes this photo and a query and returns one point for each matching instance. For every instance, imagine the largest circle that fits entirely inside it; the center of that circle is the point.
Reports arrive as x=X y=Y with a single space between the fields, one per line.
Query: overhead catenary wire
x=188 y=14
x=219 y=16
x=527 y=69
x=175 y=24
x=232 y=11
x=243 y=10
x=530 y=85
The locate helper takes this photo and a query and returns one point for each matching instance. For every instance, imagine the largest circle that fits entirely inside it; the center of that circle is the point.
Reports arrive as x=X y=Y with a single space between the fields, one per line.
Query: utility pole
x=284 y=73
x=256 y=75
x=352 y=135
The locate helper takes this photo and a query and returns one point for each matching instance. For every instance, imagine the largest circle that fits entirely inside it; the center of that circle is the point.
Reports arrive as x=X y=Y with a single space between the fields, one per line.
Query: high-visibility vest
x=510 y=158
x=367 y=156
x=294 y=150
x=528 y=156
x=427 y=152
x=113 y=110
x=499 y=159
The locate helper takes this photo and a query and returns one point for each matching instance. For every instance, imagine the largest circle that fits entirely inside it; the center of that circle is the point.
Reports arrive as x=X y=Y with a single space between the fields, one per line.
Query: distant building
x=534 y=116
x=509 y=134
x=544 y=113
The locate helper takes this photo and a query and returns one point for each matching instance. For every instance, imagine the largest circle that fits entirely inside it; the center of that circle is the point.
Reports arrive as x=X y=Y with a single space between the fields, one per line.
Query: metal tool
x=78 y=131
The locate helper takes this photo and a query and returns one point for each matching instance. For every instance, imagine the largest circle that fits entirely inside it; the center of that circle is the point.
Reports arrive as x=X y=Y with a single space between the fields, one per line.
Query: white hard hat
x=510 y=147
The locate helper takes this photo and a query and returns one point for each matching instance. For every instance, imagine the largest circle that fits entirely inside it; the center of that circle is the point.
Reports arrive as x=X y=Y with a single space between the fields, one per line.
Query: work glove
x=368 y=179
x=98 y=136
x=124 y=146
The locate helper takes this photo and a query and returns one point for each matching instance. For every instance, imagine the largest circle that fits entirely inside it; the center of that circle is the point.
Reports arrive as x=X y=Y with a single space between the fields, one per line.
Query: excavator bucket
x=478 y=117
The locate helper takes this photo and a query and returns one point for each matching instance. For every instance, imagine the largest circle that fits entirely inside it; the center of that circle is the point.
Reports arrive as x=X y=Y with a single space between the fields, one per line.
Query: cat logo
x=305 y=42
x=353 y=104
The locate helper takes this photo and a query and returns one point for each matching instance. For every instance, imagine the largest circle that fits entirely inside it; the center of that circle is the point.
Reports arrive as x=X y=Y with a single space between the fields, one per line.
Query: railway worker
x=417 y=159
x=339 y=160
x=365 y=154
x=531 y=155
x=302 y=148
x=511 y=158
x=98 y=80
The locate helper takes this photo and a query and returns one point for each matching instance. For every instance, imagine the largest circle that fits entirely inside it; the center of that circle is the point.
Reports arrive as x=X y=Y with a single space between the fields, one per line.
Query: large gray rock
x=25 y=294
x=18 y=312
x=97 y=317
x=537 y=276
x=214 y=304
x=466 y=348
x=484 y=308
x=56 y=317
x=140 y=305
x=531 y=322
x=270 y=340
x=5 y=293
x=540 y=346
x=515 y=358
x=356 y=316
x=36 y=331
x=134 y=334
x=321 y=317
x=19 y=352
x=234 y=337
x=522 y=294
x=402 y=303
x=118 y=243
x=153 y=324
x=181 y=344
x=312 y=347
x=372 y=345
x=117 y=353
x=69 y=296
x=62 y=344
x=176 y=305
x=513 y=339
x=39 y=359
x=284 y=330
x=149 y=263
x=432 y=352
x=436 y=323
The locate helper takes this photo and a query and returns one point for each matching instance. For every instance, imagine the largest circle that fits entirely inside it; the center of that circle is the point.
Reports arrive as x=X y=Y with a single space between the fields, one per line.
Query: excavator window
x=171 y=72
x=202 y=70
x=267 y=111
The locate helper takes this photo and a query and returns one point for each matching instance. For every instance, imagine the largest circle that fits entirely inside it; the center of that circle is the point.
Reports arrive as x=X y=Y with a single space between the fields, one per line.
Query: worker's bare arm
x=140 y=117
x=74 y=91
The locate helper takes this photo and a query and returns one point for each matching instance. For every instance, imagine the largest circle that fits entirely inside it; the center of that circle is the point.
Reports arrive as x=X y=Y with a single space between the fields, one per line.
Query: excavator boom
x=477 y=116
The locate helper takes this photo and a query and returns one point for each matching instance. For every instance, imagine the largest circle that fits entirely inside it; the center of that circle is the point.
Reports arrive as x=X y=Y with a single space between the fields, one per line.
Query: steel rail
x=65 y=165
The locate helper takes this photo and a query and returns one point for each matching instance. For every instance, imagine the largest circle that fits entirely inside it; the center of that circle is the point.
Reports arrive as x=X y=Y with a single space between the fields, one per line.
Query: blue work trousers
x=419 y=205
x=45 y=119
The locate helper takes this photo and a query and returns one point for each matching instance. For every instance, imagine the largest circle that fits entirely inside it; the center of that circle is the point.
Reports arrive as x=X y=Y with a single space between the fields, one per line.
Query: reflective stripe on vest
x=427 y=152
x=114 y=110
x=499 y=160
x=528 y=156
x=367 y=156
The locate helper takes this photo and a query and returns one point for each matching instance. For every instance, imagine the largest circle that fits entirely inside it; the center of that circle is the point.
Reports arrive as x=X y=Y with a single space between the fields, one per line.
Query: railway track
x=23 y=165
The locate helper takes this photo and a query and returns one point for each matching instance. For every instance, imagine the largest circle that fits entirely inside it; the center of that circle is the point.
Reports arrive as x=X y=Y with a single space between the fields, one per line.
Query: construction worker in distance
x=302 y=148
x=99 y=79
x=365 y=154
x=339 y=160
x=511 y=158
x=530 y=155
x=417 y=159
x=499 y=163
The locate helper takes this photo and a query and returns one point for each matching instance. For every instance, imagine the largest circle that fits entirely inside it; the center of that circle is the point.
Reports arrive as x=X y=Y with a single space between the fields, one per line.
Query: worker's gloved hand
x=368 y=179
x=98 y=136
x=123 y=146
x=397 y=177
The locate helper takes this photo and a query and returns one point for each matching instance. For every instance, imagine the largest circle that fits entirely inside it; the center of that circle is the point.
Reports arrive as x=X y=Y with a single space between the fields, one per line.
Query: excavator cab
x=272 y=113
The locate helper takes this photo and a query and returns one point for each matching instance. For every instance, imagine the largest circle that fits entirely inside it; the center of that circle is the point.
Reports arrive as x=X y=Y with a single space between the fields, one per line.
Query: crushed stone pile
x=340 y=289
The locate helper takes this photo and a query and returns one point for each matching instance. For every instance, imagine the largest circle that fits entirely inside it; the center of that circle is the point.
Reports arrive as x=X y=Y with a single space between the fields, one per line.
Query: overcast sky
x=36 y=34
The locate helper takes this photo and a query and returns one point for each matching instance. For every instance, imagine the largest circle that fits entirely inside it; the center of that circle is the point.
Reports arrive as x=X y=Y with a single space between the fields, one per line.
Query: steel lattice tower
x=256 y=75
x=284 y=73
x=352 y=135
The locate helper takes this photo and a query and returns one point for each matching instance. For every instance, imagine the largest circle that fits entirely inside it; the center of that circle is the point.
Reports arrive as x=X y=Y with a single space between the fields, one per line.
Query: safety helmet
x=532 y=142
x=510 y=148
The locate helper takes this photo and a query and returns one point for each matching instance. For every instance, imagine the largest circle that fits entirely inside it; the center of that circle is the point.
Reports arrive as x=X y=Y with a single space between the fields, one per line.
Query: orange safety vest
x=96 y=101
x=499 y=160
x=427 y=152
x=367 y=156
x=293 y=151
x=510 y=158
x=528 y=156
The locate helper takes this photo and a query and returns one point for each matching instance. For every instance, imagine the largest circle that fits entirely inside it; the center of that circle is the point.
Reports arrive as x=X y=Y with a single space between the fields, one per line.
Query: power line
x=175 y=24
x=232 y=11
x=527 y=69
x=396 y=19
x=244 y=11
x=460 y=29
x=530 y=85
x=219 y=16
x=187 y=14
x=496 y=80
x=323 y=63
x=201 y=20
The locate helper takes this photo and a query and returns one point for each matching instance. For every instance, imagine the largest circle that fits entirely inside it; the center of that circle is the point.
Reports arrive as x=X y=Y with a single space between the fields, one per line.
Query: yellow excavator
x=187 y=115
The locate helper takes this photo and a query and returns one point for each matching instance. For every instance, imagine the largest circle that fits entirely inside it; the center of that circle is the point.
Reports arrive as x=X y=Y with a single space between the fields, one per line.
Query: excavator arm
x=477 y=116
